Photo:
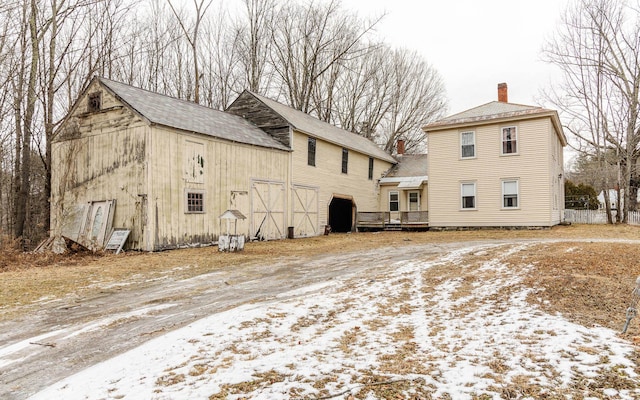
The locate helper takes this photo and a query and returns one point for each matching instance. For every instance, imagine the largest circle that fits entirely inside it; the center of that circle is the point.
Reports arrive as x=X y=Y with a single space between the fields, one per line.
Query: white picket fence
x=597 y=216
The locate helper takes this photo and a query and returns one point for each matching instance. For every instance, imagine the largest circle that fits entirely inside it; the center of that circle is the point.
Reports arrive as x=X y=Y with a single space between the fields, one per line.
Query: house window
x=509 y=140
x=468 y=144
x=370 y=168
x=394 y=201
x=510 y=194
x=414 y=201
x=311 y=152
x=195 y=202
x=468 y=195
x=94 y=102
x=345 y=160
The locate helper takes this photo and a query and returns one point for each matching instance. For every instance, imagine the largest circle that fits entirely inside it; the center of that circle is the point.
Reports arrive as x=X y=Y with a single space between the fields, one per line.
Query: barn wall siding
x=229 y=169
x=327 y=175
x=101 y=158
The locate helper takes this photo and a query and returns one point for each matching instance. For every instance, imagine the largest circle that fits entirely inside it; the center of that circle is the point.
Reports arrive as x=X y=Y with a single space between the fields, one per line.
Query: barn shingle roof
x=314 y=127
x=184 y=115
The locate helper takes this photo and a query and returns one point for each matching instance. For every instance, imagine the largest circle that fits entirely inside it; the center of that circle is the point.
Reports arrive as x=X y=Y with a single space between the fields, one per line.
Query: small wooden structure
x=231 y=242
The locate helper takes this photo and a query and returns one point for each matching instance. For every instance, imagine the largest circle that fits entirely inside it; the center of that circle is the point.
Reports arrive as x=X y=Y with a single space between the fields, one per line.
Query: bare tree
x=597 y=49
x=191 y=34
x=308 y=41
x=254 y=41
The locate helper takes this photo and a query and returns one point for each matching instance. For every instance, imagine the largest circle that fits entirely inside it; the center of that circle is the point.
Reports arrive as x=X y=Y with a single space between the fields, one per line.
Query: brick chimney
x=400 y=147
x=502 y=93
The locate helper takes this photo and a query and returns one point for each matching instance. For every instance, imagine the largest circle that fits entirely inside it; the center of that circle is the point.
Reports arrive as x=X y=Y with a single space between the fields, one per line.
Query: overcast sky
x=474 y=44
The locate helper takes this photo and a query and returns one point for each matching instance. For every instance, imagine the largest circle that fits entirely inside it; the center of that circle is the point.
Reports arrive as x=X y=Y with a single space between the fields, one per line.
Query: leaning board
x=117 y=239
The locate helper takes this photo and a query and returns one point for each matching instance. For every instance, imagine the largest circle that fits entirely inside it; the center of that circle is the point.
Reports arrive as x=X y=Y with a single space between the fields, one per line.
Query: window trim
x=502 y=141
x=370 y=175
x=475 y=196
x=345 y=160
x=311 y=151
x=463 y=157
x=189 y=191
x=397 y=201
x=502 y=198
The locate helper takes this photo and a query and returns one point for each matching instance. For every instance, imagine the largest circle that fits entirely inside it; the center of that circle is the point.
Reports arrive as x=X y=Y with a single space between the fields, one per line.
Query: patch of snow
x=464 y=336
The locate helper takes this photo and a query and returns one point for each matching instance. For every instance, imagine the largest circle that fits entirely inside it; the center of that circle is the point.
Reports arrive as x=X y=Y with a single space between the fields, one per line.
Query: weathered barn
x=166 y=169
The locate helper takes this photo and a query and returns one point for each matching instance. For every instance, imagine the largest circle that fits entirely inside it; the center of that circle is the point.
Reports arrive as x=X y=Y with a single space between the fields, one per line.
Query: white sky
x=474 y=44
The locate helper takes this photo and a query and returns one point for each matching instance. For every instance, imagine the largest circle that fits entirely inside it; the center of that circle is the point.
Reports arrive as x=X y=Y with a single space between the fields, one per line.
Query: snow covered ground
x=457 y=326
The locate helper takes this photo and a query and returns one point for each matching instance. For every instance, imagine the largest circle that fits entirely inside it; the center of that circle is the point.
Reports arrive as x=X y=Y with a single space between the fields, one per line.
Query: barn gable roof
x=188 y=116
x=314 y=127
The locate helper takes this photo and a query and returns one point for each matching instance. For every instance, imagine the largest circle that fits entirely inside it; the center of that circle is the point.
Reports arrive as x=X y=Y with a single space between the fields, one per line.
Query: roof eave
x=435 y=127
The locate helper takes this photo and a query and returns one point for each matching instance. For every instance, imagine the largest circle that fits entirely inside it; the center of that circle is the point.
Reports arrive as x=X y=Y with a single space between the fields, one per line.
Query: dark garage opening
x=340 y=215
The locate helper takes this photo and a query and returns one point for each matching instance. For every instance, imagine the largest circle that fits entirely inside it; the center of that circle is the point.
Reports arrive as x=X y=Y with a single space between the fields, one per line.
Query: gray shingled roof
x=489 y=111
x=496 y=110
x=180 y=114
x=409 y=173
x=312 y=126
x=409 y=165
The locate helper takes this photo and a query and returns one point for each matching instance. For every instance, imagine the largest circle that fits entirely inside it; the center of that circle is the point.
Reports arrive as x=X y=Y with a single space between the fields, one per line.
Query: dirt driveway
x=60 y=319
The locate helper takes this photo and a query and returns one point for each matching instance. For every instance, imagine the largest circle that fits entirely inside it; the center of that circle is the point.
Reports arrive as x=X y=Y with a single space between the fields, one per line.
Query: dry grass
x=28 y=277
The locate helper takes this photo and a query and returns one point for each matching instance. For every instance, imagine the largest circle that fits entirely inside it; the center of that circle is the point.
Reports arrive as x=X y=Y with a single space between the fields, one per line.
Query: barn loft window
x=195 y=202
x=370 y=168
x=94 y=102
x=311 y=152
x=345 y=160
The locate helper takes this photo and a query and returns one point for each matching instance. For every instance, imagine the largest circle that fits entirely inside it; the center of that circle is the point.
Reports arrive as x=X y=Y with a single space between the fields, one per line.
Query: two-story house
x=496 y=165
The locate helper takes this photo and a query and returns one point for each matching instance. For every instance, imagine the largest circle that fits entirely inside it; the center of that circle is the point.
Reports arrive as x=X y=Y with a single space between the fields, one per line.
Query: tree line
x=317 y=57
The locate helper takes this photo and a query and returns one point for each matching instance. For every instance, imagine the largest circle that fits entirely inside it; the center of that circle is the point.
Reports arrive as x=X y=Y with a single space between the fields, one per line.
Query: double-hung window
x=414 y=201
x=510 y=194
x=467 y=144
x=509 y=140
x=394 y=201
x=468 y=195
x=345 y=160
x=311 y=152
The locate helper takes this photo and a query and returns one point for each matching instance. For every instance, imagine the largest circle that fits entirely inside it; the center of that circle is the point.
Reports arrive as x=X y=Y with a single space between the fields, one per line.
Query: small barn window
x=370 y=168
x=311 y=152
x=195 y=202
x=94 y=101
x=345 y=160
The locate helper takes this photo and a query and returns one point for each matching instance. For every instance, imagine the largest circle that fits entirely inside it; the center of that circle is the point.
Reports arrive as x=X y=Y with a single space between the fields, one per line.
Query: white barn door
x=267 y=210
x=305 y=210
